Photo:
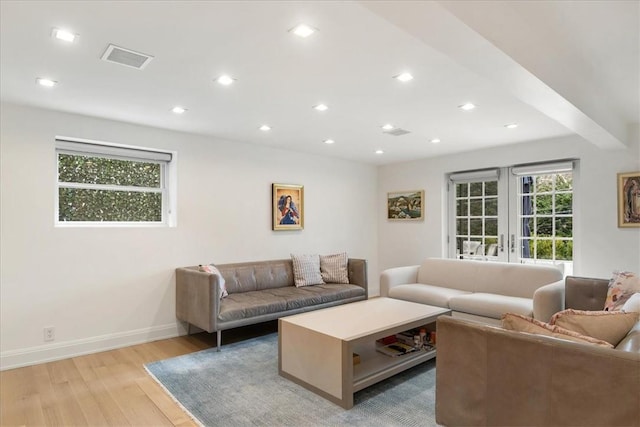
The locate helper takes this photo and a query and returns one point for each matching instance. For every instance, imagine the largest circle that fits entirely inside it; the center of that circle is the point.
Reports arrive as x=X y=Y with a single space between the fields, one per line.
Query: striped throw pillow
x=306 y=270
x=334 y=268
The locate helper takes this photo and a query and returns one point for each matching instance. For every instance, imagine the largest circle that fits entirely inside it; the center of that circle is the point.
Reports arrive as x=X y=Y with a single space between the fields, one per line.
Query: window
x=109 y=184
x=545 y=212
x=518 y=214
x=476 y=213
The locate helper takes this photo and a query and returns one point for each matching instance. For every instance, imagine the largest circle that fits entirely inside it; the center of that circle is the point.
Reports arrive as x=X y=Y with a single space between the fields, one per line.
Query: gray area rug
x=240 y=386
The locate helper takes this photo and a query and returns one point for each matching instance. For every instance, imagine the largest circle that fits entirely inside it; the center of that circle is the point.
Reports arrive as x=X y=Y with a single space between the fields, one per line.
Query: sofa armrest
x=197 y=298
x=397 y=276
x=548 y=300
x=358 y=273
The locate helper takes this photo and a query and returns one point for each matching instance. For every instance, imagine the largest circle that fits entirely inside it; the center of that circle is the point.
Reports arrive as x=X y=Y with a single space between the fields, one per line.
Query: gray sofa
x=258 y=292
x=478 y=290
x=489 y=376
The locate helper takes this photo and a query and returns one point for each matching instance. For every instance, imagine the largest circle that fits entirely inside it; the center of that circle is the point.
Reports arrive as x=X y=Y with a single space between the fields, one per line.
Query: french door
x=519 y=214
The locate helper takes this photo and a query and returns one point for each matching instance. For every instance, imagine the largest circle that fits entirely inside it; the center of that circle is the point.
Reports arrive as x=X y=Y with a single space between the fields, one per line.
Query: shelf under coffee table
x=315 y=349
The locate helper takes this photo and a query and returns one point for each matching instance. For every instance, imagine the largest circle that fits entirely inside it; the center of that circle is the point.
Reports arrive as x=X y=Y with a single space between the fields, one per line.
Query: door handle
x=501 y=243
x=513 y=243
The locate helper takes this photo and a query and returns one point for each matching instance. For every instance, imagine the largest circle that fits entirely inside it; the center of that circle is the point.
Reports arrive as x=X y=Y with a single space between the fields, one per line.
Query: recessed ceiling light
x=46 y=82
x=303 y=30
x=388 y=126
x=225 y=80
x=328 y=141
x=379 y=152
x=404 y=77
x=511 y=126
x=64 y=35
x=178 y=110
x=435 y=140
x=467 y=107
x=265 y=128
x=321 y=107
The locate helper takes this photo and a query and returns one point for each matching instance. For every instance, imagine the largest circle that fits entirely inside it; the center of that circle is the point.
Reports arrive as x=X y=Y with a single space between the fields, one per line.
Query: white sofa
x=478 y=290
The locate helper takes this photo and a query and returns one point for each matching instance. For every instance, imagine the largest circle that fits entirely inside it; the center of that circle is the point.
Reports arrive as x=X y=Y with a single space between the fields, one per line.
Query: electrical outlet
x=49 y=333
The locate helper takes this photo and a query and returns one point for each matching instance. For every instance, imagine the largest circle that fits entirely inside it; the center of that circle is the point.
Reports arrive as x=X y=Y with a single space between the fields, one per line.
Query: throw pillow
x=519 y=323
x=306 y=270
x=633 y=304
x=333 y=268
x=622 y=285
x=212 y=269
x=609 y=326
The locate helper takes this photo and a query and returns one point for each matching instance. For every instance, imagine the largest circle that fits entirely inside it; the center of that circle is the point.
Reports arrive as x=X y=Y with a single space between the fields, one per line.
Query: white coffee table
x=315 y=349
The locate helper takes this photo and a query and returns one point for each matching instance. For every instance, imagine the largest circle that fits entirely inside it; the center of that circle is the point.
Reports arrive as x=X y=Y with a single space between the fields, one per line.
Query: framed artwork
x=288 y=206
x=629 y=199
x=405 y=205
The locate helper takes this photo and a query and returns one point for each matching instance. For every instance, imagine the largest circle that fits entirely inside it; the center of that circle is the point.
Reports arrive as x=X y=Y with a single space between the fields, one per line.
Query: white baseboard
x=63 y=350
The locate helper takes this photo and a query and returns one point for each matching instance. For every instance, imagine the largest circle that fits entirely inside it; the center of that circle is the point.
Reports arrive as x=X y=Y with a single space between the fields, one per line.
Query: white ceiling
x=556 y=68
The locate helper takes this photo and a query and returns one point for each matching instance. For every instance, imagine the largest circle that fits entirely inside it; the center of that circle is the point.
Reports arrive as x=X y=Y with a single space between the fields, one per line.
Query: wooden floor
x=110 y=388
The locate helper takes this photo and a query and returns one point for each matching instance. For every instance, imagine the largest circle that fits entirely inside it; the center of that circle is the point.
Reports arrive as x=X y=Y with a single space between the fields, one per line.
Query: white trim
x=79 y=145
x=47 y=353
x=110 y=224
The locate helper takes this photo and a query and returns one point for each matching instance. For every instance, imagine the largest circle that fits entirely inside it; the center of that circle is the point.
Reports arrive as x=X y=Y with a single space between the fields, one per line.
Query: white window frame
x=510 y=216
x=485 y=175
x=165 y=158
x=516 y=216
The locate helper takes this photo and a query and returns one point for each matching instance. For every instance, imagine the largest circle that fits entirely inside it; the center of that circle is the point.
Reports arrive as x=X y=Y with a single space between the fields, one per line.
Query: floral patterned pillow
x=622 y=285
x=212 y=269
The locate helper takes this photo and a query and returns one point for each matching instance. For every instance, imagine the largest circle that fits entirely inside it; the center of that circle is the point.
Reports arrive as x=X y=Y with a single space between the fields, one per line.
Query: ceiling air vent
x=397 y=132
x=127 y=57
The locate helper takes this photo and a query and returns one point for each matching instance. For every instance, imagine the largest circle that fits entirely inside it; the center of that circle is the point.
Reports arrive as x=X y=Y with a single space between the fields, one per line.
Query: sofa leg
x=188 y=328
x=219 y=340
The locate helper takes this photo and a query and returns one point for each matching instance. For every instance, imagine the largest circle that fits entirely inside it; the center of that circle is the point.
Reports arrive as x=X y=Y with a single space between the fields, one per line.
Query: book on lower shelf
x=395 y=349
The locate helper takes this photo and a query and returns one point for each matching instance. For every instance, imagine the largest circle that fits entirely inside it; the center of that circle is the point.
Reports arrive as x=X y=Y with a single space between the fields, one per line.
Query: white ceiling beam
x=437 y=27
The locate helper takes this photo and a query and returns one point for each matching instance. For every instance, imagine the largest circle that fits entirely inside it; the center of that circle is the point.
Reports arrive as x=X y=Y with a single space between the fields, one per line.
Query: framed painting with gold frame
x=405 y=205
x=288 y=206
x=629 y=199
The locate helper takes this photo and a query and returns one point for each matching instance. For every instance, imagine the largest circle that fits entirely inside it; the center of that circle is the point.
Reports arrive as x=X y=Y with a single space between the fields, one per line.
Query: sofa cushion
x=333 y=268
x=212 y=269
x=257 y=303
x=519 y=323
x=331 y=292
x=491 y=305
x=425 y=294
x=622 y=285
x=609 y=326
x=243 y=305
x=306 y=270
x=255 y=276
x=518 y=280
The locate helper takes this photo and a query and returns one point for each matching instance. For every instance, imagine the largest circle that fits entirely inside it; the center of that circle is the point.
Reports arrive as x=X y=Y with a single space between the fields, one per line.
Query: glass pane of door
x=544 y=220
x=476 y=227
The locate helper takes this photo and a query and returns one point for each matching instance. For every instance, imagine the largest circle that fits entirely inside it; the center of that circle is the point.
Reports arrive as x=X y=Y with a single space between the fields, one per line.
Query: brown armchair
x=488 y=376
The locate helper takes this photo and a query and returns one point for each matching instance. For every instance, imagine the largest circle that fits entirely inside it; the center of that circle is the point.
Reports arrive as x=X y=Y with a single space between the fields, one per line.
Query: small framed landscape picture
x=288 y=206
x=629 y=199
x=405 y=205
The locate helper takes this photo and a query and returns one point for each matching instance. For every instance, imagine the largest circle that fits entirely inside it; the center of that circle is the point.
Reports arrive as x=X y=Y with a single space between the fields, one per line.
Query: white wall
x=105 y=288
x=108 y=287
x=599 y=246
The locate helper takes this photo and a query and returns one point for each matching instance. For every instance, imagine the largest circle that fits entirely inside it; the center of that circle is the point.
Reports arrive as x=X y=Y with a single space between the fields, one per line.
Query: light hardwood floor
x=110 y=388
